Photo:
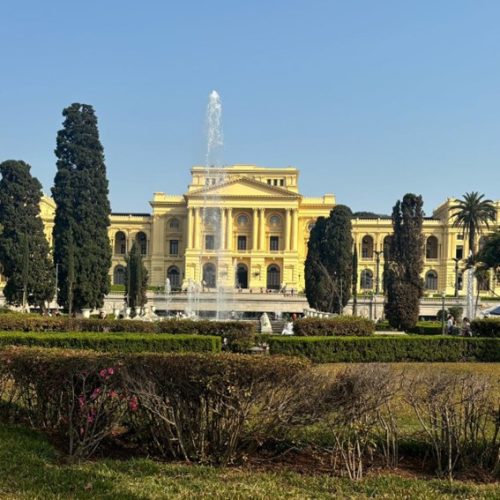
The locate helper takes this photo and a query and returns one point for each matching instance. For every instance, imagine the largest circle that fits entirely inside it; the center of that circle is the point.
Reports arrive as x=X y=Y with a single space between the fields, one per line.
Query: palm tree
x=471 y=214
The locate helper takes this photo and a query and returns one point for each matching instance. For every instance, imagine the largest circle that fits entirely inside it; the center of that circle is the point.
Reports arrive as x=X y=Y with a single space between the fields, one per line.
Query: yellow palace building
x=247 y=227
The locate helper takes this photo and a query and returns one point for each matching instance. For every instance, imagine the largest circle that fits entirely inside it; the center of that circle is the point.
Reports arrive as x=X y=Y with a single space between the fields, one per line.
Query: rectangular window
x=282 y=182
x=275 y=182
x=459 y=252
x=242 y=242
x=269 y=181
x=174 y=247
x=274 y=243
x=209 y=242
x=460 y=236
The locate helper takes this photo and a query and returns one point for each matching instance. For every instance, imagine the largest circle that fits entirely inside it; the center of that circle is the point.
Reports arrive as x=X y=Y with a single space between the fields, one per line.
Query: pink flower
x=95 y=393
x=90 y=419
x=133 y=403
x=111 y=371
x=113 y=394
x=103 y=373
x=81 y=401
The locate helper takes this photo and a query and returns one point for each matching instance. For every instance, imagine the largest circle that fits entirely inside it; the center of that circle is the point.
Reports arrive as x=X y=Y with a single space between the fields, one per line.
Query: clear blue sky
x=370 y=99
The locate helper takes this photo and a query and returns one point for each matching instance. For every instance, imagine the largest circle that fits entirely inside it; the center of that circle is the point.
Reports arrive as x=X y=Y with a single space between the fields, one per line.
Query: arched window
x=142 y=241
x=242 y=276
x=275 y=220
x=174 y=275
x=387 y=247
x=209 y=275
x=174 y=224
x=367 y=247
x=242 y=220
x=366 y=279
x=431 y=248
x=431 y=280
x=120 y=243
x=119 y=275
x=273 y=277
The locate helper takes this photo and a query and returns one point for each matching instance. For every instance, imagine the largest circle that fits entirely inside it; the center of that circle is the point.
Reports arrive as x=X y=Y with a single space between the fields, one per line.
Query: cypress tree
x=24 y=249
x=80 y=191
x=136 y=280
x=319 y=289
x=405 y=264
x=328 y=269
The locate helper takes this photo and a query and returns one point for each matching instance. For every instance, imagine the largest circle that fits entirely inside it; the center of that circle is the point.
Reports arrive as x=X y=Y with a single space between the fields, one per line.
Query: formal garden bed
x=280 y=419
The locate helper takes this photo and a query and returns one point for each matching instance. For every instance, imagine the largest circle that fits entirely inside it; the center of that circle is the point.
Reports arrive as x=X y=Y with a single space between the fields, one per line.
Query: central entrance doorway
x=241 y=276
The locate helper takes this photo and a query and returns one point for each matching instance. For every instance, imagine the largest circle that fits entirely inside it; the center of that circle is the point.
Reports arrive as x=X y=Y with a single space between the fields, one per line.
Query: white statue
x=288 y=328
x=265 y=324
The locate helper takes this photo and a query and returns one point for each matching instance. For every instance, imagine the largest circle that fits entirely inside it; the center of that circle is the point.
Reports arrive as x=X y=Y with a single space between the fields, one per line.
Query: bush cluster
x=336 y=326
x=387 y=349
x=35 y=323
x=121 y=342
x=488 y=327
x=216 y=408
x=195 y=407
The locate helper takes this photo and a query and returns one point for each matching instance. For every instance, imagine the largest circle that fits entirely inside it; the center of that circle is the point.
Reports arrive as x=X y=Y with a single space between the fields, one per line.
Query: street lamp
x=377 y=281
x=442 y=312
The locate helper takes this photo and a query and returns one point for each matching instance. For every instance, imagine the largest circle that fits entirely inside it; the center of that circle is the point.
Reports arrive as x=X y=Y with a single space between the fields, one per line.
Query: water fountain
x=211 y=203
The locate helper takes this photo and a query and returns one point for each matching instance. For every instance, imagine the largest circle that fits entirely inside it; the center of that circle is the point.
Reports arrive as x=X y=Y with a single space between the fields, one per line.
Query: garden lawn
x=31 y=469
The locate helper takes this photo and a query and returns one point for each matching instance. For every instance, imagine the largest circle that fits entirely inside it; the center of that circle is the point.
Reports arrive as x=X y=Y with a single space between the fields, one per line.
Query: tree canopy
x=136 y=280
x=404 y=263
x=329 y=262
x=80 y=191
x=24 y=249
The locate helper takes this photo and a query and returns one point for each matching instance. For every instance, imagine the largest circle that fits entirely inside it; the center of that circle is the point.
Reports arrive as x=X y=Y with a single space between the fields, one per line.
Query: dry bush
x=361 y=402
x=460 y=416
x=196 y=407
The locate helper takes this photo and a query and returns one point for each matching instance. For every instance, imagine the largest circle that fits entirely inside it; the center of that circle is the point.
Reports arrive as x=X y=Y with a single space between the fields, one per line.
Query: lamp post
x=442 y=312
x=377 y=280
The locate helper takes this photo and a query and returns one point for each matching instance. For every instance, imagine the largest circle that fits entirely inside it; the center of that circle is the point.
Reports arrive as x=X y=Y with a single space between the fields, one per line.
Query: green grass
x=31 y=469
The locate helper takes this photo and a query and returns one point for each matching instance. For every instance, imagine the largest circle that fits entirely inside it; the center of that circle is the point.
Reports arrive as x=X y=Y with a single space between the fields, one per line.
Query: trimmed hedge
x=118 y=342
x=336 y=326
x=488 y=327
x=35 y=323
x=387 y=349
x=427 y=328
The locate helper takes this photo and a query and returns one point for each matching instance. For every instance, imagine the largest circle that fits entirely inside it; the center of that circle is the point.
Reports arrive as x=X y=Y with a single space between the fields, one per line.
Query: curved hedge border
x=336 y=326
x=35 y=323
x=117 y=342
x=387 y=349
x=488 y=327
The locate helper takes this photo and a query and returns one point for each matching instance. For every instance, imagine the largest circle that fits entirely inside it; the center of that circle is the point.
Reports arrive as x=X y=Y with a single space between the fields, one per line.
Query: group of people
x=451 y=326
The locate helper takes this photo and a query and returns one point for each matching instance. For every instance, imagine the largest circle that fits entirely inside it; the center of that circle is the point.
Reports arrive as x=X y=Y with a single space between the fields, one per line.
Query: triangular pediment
x=243 y=187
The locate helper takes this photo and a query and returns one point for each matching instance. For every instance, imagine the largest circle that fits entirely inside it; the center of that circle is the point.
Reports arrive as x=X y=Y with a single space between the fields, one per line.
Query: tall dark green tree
x=405 y=263
x=328 y=268
x=490 y=253
x=136 y=280
x=24 y=250
x=82 y=211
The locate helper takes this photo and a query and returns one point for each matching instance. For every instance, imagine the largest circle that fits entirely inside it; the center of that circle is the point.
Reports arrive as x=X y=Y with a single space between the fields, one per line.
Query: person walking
x=466 y=328
x=449 y=324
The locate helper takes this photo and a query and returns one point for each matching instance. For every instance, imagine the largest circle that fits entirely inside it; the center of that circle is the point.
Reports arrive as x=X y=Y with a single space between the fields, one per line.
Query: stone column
x=190 y=229
x=197 y=228
x=287 y=229
x=223 y=229
x=229 y=233
x=262 y=229
x=295 y=231
x=255 y=229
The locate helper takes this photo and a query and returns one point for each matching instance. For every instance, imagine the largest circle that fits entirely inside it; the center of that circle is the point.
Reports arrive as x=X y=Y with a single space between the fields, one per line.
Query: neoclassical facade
x=247 y=227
